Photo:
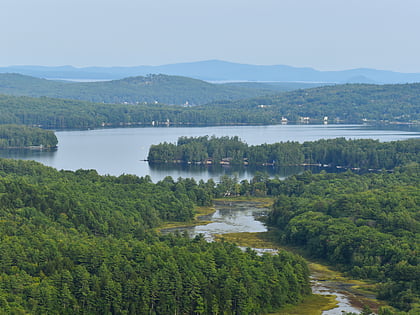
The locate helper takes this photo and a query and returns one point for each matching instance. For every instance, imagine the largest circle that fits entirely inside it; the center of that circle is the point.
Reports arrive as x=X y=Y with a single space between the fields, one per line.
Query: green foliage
x=80 y=243
x=70 y=114
x=361 y=153
x=368 y=225
x=150 y=89
x=17 y=136
x=348 y=102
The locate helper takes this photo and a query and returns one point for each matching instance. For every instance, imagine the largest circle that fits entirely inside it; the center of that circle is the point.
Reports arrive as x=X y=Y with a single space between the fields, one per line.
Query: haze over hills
x=342 y=102
x=216 y=70
x=349 y=103
x=141 y=89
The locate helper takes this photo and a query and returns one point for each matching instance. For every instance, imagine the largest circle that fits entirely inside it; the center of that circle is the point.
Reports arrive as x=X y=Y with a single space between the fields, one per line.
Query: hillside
x=348 y=103
x=353 y=103
x=149 y=89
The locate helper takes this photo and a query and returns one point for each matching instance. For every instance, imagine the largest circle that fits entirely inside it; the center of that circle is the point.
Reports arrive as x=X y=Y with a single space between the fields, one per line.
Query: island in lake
x=21 y=136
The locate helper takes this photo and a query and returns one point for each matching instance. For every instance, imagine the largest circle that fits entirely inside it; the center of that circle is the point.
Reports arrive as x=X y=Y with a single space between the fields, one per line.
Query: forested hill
x=150 y=89
x=348 y=102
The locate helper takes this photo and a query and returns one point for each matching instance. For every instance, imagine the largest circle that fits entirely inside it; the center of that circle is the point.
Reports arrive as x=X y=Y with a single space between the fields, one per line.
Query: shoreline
x=331 y=289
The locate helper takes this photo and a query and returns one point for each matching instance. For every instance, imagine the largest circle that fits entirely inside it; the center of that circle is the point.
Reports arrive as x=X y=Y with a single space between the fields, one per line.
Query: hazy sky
x=323 y=34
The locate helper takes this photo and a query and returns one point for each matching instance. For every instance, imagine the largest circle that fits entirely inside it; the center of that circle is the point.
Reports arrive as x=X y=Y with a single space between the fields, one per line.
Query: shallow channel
x=242 y=216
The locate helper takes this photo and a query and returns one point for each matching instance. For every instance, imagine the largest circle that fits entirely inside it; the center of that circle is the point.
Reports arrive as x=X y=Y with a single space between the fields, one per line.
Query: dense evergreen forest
x=150 y=89
x=352 y=103
x=360 y=153
x=80 y=243
x=366 y=225
x=18 y=136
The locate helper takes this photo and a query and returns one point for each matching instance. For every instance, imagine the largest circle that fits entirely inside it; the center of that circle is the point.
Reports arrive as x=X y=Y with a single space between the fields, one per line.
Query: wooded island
x=20 y=136
x=77 y=242
x=360 y=153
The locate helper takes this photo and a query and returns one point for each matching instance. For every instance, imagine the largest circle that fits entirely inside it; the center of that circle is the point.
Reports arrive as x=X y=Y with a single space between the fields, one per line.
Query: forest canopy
x=344 y=102
x=367 y=225
x=168 y=89
x=350 y=103
x=81 y=243
x=19 y=136
x=358 y=153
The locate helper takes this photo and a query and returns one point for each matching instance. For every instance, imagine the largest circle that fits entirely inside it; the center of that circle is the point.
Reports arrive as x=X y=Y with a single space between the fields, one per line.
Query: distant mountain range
x=216 y=70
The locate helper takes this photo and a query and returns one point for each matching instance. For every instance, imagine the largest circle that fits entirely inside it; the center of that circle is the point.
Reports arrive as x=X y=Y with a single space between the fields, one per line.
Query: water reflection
x=237 y=217
x=229 y=218
x=123 y=150
x=46 y=156
x=215 y=171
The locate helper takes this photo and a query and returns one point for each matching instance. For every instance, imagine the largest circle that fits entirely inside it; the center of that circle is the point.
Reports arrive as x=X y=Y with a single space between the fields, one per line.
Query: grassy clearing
x=264 y=202
x=317 y=303
x=247 y=239
x=311 y=305
x=199 y=212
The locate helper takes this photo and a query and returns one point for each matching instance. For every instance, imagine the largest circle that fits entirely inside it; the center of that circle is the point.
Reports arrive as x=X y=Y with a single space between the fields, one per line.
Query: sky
x=321 y=34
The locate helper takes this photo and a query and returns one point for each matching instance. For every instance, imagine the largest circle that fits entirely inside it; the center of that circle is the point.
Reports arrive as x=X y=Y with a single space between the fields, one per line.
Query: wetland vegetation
x=76 y=242
x=81 y=243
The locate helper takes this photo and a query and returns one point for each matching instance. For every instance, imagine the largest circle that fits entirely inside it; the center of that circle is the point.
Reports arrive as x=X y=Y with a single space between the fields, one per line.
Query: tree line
x=367 y=225
x=350 y=103
x=343 y=102
x=359 y=153
x=167 y=89
x=81 y=243
x=50 y=113
x=364 y=224
x=19 y=136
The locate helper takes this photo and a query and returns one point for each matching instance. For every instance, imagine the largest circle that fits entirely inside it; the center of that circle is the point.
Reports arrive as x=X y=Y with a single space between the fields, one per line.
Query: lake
x=123 y=150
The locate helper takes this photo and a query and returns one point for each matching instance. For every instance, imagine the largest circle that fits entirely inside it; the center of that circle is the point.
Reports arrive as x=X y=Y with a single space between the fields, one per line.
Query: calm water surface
x=237 y=217
x=229 y=217
x=123 y=150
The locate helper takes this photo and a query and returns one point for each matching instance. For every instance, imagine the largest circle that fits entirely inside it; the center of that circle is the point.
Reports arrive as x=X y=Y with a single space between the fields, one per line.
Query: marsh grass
x=315 y=303
x=248 y=239
x=312 y=305
x=200 y=211
x=263 y=202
